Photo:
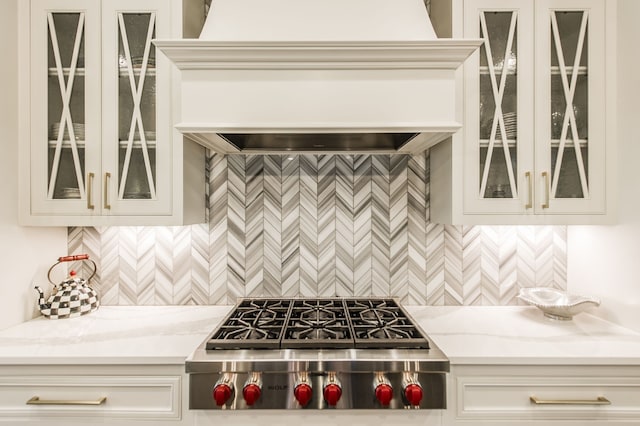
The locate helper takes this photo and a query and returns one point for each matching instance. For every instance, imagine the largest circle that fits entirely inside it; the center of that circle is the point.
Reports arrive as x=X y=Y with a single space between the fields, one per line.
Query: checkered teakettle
x=72 y=297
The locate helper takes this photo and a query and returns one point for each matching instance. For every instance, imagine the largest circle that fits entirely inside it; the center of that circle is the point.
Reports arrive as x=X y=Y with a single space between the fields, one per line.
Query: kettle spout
x=45 y=308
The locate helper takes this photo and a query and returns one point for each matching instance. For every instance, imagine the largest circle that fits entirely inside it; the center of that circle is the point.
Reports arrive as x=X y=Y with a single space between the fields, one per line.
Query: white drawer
x=575 y=398
x=130 y=397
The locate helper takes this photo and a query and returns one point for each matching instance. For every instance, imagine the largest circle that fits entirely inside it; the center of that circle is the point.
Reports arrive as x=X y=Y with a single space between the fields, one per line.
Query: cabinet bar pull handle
x=545 y=175
x=107 y=177
x=37 y=401
x=90 y=205
x=530 y=186
x=601 y=400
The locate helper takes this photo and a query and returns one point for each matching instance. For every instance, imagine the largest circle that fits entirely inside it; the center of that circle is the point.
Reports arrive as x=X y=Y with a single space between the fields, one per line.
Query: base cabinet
x=118 y=395
x=550 y=395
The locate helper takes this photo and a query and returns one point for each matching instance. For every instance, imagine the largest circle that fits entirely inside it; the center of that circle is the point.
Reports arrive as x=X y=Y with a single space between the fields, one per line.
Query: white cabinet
x=550 y=395
x=97 y=141
x=537 y=146
x=122 y=395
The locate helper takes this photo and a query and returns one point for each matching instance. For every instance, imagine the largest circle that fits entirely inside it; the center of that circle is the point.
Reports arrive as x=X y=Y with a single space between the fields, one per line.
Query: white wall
x=25 y=253
x=605 y=261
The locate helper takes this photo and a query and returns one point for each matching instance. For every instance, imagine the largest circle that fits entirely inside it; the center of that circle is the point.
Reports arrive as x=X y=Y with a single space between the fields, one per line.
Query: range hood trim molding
x=195 y=54
x=318 y=127
x=427 y=136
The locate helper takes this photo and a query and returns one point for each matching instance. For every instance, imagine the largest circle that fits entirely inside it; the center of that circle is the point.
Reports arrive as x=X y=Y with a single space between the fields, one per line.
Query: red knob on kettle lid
x=413 y=394
x=332 y=393
x=221 y=394
x=303 y=394
x=72 y=273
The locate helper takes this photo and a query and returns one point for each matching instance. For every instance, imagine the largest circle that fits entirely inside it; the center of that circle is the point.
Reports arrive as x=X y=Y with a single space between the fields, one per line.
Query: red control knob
x=384 y=393
x=332 y=393
x=303 y=393
x=413 y=394
x=251 y=393
x=221 y=394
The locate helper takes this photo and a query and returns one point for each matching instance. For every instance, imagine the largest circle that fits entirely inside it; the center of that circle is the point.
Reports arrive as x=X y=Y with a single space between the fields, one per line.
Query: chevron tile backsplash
x=321 y=225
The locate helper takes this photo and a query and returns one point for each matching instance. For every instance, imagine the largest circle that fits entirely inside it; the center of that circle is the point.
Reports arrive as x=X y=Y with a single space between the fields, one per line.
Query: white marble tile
x=112 y=335
x=522 y=335
x=466 y=334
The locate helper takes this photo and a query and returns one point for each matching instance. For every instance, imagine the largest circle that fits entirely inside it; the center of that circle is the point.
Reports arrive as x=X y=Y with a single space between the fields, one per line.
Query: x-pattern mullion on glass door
x=136 y=92
x=498 y=94
x=66 y=89
x=569 y=92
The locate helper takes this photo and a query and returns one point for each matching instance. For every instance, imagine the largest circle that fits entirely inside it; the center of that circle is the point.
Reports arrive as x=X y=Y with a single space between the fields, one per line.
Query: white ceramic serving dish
x=556 y=304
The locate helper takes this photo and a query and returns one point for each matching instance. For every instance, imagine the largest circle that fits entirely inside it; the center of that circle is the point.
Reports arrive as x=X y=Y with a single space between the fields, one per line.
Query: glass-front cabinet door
x=535 y=107
x=570 y=117
x=65 y=113
x=538 y=138
x=499 y=107
x=97 y=140
x=137 y=146
x=100 y=143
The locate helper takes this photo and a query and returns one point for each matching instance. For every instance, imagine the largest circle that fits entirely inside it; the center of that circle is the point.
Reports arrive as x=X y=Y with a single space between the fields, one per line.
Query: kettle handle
x=71 y=259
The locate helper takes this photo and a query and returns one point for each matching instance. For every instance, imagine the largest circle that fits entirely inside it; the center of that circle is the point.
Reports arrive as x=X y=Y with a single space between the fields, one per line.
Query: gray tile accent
x=326 y=225
x=320 y=225
x=308 y=225
x=290 y=227
x=345 y=214
x=272 y=226
x=218 y=229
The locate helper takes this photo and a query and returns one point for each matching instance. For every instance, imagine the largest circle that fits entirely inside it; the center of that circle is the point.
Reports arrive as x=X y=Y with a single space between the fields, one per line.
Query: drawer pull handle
x=37 y=401
x=601 y=400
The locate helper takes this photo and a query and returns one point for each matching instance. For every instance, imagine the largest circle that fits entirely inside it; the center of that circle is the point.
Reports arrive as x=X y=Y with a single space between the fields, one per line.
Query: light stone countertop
x=518 y=335
x=112 y=335
x=467 y=335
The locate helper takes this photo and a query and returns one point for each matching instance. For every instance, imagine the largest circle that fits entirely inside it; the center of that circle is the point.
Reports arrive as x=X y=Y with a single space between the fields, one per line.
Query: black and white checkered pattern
x=74 y=299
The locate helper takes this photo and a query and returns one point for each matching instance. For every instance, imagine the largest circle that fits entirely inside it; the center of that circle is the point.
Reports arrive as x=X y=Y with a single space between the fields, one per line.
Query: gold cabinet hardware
x=90 y=205
x=601 y=400
x=530 y=186
x=107 y=204
x=37 y=401
x=545 y=175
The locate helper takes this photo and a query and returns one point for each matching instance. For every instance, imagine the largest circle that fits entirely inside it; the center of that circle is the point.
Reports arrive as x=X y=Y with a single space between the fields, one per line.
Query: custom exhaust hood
x=329 y=76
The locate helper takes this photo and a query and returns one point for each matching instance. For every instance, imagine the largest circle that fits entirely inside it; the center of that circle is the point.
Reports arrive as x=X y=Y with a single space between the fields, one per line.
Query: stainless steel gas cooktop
x=324 y=353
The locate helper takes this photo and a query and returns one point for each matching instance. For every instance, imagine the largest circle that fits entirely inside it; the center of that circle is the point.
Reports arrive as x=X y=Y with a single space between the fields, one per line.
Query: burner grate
x=381 y=323
x=253 y=322
x=317 y=324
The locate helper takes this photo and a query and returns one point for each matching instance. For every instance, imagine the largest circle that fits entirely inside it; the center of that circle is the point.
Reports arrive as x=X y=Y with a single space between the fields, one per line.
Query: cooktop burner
x=316 y=324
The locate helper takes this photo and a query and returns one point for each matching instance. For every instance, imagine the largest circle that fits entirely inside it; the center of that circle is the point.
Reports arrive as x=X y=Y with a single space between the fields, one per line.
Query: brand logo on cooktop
x=277 y=387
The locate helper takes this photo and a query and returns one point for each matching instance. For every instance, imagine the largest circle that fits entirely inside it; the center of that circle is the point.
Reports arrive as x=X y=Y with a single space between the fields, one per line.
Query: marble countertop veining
x=112 y=335
x=518 y=335
x=504 y=335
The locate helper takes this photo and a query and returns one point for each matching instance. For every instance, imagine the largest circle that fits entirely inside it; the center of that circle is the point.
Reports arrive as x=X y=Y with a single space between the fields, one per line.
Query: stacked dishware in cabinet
x=538 y=137
x=101 y=148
